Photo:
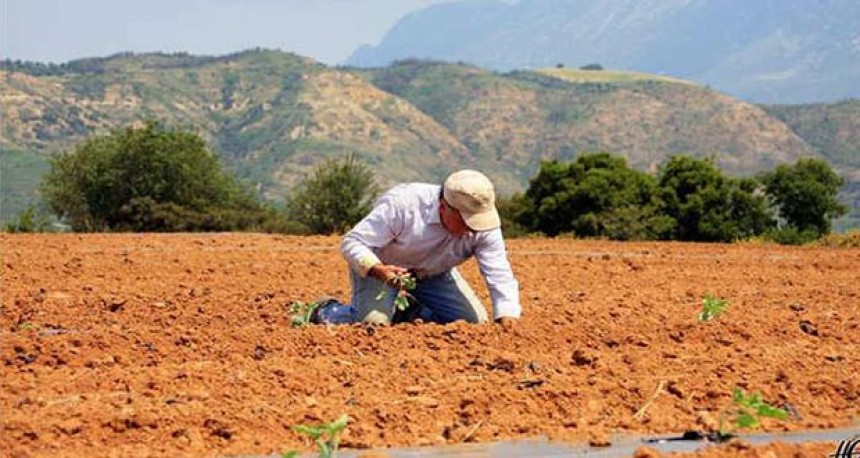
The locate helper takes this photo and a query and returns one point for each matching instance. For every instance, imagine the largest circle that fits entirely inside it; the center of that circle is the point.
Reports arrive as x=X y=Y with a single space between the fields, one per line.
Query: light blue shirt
x=404 y=229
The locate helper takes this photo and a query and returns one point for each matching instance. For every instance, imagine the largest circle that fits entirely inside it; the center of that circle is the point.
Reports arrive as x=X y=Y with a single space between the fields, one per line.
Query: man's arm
x=494 y=265
x=376 y=230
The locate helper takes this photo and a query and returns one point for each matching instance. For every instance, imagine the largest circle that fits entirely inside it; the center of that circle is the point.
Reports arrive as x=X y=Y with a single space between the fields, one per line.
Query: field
x=178 y=345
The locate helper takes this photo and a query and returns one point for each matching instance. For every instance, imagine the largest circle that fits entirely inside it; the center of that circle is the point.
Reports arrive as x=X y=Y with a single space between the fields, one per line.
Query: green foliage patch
x=403 y=284
x=326 y=436
x=805 y=195
x=712 y=307
x=335 y=196
x=148 y=179
x=599 y=195
x=746 y=411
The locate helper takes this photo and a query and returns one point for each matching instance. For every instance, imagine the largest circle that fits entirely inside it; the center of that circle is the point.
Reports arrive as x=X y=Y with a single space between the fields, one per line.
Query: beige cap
x=472 y=194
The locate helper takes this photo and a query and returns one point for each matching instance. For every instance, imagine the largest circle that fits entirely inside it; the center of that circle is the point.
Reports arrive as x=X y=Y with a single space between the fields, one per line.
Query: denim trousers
x=441 y=298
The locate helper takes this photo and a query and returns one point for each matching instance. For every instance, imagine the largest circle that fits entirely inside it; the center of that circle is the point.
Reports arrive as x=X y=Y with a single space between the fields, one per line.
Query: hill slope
x=271 y=116
x=769 y=51
x=513 y=121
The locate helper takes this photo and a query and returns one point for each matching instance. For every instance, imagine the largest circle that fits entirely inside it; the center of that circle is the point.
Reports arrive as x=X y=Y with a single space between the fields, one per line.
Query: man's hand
x=506 y=322
x=386 y=272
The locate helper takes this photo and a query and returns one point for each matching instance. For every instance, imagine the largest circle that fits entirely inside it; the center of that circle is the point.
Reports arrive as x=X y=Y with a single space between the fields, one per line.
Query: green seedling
x=302 y=313
x=28 y=326
x=746 y=412
x=326 y=436
x=712 y=307
x=404 y=283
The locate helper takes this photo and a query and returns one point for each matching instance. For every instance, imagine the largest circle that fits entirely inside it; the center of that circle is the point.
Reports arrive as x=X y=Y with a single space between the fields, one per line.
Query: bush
x=597 y=195
x=805 y=194
x=148 y=179
x=847 y=240
x=334 y=197
x=511 y=210
x=708 y=206
x=790 y=235
x=28 y=221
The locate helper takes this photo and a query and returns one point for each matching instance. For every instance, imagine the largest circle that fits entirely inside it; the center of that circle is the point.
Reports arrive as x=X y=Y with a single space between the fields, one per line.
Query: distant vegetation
x=336 y=196
x=148 y=179
x=153 y=179
x=98 y=65
x=271 y=118
x=596 y=73
x=834 y=131
x=598 y=195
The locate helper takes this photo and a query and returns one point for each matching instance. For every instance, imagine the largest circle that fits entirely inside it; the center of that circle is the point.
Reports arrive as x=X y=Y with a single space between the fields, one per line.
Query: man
x=428 y=230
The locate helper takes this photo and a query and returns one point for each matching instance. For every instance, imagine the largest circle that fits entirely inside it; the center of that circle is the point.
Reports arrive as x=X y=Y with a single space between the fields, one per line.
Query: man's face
x=452 y=220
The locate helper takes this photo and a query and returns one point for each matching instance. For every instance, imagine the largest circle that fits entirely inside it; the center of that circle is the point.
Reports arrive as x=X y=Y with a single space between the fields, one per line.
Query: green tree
x=708 y=206
x=335 y=196
x=804 y=195
x=512 y=210
x=148 y=179
x=596 y=195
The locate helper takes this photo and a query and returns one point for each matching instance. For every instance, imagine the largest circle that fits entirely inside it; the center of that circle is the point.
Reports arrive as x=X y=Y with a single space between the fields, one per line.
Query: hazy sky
x=326 y=30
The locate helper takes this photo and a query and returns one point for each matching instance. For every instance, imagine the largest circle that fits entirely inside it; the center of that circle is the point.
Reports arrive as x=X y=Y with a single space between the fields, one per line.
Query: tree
x=596 y=195
x=512 y=210
x=147 y=179
x=708 y=206
x=335 y=196
x=804 y=194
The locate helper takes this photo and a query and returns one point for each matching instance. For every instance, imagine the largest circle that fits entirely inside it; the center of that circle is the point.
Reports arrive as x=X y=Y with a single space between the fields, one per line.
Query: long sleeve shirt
x=405 y=229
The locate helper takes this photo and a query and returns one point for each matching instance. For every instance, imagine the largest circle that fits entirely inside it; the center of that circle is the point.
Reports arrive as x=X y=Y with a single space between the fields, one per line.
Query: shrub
x=790 y=235
x=597 y=195
x=805 y=194
x=28 y=221
x=847 y=240
x=148 y=179
x=335 y=196
x=708 y=206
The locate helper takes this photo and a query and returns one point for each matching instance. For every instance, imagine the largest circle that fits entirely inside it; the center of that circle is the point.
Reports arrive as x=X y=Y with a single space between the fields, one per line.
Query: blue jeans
x=442 y=298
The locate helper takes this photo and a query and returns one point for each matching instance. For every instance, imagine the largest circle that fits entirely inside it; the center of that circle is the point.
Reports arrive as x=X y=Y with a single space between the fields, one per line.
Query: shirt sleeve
x=382 y=225
x=494 y=265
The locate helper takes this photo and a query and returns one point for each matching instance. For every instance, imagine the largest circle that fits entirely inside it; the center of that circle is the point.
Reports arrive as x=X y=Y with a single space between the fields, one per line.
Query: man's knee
x=376 y=317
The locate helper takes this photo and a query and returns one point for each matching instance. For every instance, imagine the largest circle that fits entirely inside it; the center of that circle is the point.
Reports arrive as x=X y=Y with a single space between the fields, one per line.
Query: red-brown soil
x=172 y=345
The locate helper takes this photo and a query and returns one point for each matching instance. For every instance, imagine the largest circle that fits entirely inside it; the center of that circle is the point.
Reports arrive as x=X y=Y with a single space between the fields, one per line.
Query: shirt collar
x=431 y=211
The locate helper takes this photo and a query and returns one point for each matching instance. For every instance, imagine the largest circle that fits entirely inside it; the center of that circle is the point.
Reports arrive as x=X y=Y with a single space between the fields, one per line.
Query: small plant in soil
x=28 y=326
x=404 y=283
x=326 y=436
x=746 y=411
x=712 y=307
x=302 y=313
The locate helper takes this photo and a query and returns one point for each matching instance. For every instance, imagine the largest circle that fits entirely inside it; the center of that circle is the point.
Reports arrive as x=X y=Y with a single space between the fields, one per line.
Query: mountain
x=272 y=116
x=767 y=51
x=512 y=121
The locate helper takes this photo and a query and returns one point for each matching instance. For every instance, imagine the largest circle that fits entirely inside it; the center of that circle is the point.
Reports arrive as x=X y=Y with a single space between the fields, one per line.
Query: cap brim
x=482 y=221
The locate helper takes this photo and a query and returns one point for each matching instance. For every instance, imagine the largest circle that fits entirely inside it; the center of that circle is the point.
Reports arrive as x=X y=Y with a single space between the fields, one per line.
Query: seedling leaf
x=746 y=420
x=302 y=313
x=712 y=307
x=326 y=435
x=745 y=412
x=403 y=283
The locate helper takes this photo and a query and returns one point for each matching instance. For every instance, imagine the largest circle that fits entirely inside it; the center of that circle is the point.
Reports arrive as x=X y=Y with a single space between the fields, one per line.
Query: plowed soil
x=181 y=345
